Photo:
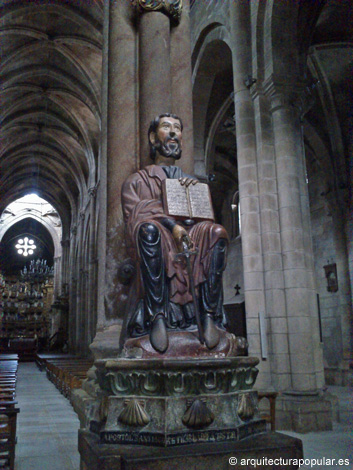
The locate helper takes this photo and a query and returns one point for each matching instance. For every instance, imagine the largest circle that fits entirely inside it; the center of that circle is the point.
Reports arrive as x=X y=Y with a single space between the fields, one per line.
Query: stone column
x=165 y=71
x=155 y=74
x=80 y=291
x=65 y=265
x=349 y=239
x=92 y=278
x=297 y=257
x=254 y=289
x=181 y=83
x=57 y=276
x=118 y=159
x=303 y=406
x=72 y=293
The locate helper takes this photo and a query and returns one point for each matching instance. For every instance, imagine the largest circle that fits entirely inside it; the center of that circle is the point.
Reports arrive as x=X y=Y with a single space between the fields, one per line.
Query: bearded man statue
x=162 y=299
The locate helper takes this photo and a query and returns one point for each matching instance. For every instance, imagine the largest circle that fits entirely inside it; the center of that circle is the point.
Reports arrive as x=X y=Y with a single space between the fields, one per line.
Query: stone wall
x=233 y=274
x=329 y=245
x=324 y=252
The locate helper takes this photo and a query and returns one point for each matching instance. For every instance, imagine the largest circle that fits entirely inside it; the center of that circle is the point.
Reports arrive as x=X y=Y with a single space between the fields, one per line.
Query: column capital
x=285 y=92
x=172 y=8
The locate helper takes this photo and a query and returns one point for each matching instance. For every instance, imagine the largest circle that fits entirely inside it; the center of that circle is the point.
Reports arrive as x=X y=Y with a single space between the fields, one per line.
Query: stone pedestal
x=177 y=412
x=258 y=449
x=170 y=402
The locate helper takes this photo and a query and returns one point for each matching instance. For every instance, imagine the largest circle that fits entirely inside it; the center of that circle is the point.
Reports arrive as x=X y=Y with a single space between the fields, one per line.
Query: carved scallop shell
x=246 y=409
x=134 y=414
x=198 y=415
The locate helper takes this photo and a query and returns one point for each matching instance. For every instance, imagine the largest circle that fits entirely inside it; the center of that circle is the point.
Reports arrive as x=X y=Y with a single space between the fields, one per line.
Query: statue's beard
x=169 y=149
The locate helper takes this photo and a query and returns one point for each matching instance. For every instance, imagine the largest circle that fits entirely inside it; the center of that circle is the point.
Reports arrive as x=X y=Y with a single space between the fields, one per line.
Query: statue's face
x=168 y=138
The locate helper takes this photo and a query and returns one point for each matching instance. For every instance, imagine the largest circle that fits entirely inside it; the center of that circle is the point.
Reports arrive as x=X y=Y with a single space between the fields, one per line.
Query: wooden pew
x=8 y=424
x=8 y=410
x=42 y=358
x=271 y=416
x=67 y=373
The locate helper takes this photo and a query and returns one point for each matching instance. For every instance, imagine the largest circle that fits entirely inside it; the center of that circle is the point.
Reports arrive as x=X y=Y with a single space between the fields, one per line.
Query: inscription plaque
x=183 y=438
x=192 y=202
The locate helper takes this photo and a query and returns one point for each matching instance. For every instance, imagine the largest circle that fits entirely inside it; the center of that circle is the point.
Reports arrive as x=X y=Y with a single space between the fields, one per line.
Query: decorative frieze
x=228 y=376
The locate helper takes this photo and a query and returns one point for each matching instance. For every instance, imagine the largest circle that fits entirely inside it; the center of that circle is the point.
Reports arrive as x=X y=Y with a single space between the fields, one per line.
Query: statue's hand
x=187 y=181
x=181 y=238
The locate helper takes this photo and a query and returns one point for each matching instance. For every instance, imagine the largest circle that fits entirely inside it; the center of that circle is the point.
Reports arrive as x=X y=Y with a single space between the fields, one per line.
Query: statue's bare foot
x=158 y=334
x=211 y=333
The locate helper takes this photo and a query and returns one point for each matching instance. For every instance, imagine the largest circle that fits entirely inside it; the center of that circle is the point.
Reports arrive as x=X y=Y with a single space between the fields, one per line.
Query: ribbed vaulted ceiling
x=50 y=100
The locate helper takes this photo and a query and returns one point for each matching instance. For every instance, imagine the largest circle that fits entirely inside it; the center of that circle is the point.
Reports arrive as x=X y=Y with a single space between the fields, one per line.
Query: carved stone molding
x=293 y=94
x=172 y=8
x=174 y=378
x=74 y=230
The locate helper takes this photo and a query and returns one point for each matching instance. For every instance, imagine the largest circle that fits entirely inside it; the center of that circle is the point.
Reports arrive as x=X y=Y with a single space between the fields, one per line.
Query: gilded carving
x=198 y=415
x=134 y=413
x=172 y=7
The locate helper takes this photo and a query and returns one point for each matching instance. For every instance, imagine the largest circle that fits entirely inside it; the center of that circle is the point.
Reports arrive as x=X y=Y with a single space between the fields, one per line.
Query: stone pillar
x=80 y=291
x=165 y=71
x=92 y=278
x=302 y=406
x=254 y=289
x=349 y=272
x=155 y=74
x=57 y=276
x=297 y=257
x=65 y=266
x=118 y=159
x=181 y=83
x=277 y=255
x=72 y=293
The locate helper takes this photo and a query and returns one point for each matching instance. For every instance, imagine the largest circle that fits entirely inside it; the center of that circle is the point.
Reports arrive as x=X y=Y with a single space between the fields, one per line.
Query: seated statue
x=168 y=294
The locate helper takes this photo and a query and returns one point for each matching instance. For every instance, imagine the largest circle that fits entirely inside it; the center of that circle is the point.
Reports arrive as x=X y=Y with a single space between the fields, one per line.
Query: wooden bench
x=8 y=410
x=71 y=376
x=8 y=424
x=42 y=358
x=271 y=416
x=67 y=373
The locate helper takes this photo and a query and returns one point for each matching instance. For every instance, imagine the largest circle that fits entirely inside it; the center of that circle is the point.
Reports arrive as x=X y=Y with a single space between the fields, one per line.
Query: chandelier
x=38 y=271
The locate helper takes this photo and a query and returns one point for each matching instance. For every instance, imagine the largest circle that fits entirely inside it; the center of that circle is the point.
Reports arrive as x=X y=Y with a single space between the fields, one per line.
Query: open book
x=193 y=202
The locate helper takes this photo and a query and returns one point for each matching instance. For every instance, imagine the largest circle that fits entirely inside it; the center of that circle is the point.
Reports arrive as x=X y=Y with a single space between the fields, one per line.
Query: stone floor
x=47 y=428
x=336 y=444
x=47 y=424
